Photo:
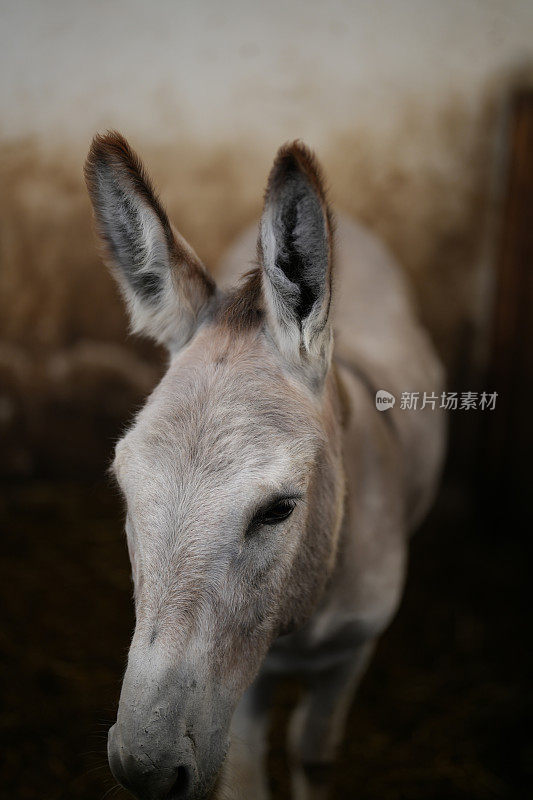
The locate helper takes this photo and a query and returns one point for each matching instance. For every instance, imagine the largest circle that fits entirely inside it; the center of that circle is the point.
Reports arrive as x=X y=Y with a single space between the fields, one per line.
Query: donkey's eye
x=276 y=512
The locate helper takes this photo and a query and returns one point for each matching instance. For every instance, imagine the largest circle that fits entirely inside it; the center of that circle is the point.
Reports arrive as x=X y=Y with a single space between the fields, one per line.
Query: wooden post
x=505 y=473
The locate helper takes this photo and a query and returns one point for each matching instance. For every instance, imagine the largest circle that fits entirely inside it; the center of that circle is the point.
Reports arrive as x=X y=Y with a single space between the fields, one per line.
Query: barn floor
x=444 y=711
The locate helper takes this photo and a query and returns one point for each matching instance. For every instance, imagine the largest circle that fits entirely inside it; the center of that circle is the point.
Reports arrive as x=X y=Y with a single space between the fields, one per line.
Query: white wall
x=272 y=70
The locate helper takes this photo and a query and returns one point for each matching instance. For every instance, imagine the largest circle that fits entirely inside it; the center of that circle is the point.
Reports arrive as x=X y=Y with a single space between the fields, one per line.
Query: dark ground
x=444 y=711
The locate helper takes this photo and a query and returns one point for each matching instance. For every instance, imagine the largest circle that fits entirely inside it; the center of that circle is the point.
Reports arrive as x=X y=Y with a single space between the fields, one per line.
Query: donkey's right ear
x=164 y=282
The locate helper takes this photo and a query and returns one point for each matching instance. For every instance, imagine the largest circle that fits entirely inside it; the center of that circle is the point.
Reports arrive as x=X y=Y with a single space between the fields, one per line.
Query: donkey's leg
x=317 y=724
x=245 y=772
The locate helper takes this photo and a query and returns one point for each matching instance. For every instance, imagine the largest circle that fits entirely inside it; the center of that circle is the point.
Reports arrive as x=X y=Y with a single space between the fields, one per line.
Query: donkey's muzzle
x=157 y=775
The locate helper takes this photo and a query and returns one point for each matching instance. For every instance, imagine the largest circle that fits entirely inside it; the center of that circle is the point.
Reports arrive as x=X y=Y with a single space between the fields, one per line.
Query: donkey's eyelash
x=276 y=511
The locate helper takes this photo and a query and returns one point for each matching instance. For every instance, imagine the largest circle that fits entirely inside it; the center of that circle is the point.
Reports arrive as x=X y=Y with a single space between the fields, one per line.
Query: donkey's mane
x=242 y=308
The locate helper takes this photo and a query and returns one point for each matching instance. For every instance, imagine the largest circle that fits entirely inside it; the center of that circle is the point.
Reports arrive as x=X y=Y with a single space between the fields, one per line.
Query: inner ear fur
x=295 y=250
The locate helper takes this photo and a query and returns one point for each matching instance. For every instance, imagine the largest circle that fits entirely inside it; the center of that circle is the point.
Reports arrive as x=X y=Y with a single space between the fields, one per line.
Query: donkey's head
x=231 y=472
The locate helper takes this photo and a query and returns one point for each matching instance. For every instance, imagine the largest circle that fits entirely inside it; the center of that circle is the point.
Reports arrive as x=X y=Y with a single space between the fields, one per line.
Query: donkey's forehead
x=221 y=412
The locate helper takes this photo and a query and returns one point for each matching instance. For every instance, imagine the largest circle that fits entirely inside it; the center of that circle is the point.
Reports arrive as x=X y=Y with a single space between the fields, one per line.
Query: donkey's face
x=231 y=472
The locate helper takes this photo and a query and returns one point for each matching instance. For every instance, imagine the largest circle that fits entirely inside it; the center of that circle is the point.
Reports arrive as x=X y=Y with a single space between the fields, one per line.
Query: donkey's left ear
x=295 y=250
x=165 y=285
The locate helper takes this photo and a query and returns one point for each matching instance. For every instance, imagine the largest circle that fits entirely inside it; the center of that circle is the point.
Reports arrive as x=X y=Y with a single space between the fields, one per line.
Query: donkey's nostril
x=180 y=788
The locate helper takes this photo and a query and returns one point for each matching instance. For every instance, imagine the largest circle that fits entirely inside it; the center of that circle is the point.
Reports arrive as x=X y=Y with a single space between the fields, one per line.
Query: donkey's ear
x=165 y=284
x=295 y=243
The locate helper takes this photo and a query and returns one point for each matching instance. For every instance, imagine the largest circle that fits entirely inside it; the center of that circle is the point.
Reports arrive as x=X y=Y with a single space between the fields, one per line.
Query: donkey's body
x=269 y=502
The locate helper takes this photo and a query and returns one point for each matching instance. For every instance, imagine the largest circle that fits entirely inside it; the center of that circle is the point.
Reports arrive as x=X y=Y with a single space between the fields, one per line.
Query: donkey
x=269 y=501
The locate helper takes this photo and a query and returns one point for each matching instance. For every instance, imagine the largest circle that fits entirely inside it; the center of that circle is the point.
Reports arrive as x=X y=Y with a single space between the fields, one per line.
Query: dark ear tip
x=109 y=143
x=296 y=157
x=105 y=147
x=110 y=151
x=297 y=149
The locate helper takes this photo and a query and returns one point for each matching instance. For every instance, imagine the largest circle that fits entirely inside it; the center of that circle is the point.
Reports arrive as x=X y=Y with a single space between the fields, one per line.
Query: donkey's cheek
x=264 y=555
